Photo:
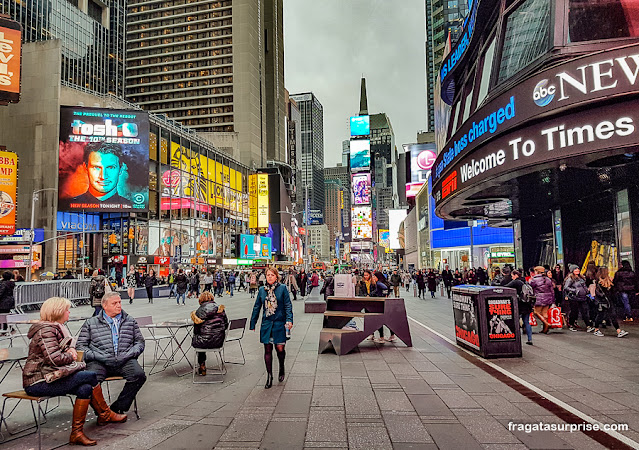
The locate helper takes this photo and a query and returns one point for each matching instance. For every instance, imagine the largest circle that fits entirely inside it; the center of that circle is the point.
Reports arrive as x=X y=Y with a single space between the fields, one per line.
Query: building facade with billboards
x=543 y=129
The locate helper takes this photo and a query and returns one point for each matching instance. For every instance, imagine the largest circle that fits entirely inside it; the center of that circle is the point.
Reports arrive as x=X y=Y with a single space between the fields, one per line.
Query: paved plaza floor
x=384 y=396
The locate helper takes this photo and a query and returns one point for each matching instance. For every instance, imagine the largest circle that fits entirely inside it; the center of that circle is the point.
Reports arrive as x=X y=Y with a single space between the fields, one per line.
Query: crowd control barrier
x=31 y=295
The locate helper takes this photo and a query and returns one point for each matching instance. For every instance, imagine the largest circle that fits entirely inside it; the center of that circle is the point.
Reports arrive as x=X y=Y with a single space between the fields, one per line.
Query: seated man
x=111 y=342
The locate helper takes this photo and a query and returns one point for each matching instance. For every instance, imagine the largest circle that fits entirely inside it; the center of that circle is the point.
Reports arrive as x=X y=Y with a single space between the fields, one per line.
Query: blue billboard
x=360 y=125
x=255 y=247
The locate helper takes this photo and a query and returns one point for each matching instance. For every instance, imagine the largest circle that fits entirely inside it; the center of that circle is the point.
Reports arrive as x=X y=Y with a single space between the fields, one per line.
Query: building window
x=94 y=11
x=527 y=36
x=592 y=21
x=486 y=71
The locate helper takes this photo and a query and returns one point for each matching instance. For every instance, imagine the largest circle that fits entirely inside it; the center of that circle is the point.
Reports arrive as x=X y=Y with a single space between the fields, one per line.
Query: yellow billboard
x=252 y=180
x=262 y=201
x=8 y=184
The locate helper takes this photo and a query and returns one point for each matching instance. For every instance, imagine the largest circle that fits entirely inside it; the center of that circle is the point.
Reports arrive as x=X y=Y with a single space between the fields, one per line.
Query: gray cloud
x=330 y=44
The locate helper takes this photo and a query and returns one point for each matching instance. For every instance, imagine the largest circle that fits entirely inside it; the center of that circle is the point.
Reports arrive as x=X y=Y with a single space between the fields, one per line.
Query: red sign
x=449 y=185
x=162 y=260
x=302 y=231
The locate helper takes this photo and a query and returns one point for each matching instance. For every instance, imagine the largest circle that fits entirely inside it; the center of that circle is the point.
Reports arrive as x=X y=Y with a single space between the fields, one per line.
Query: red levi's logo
x=449 y=185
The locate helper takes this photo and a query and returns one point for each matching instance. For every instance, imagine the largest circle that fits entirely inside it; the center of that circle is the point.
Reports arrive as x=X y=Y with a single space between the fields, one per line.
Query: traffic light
x=81 y=244
x=113 y=239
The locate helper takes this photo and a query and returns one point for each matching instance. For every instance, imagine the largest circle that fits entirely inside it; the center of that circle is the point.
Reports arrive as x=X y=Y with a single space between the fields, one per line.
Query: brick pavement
x=382 y=396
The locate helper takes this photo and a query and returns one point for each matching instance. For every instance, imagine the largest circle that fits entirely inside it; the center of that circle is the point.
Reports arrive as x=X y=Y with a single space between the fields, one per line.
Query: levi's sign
x=562 y=88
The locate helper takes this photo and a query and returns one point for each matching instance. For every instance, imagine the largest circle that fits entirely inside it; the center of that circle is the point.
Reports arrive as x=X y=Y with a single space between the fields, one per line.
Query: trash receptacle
x=487 y=320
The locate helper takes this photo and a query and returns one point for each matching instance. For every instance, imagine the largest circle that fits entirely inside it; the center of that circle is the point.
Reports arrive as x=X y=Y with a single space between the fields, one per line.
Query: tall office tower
x=335 y=194
x=91 y=33
x=341 y=175
x=346 y=152
x=293 y=148
x=312 y=152
x=443 y=17
x=384 y=164
x=216 y=67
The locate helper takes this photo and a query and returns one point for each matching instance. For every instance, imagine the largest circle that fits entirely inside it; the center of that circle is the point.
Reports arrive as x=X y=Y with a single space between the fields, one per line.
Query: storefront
x=538 y=125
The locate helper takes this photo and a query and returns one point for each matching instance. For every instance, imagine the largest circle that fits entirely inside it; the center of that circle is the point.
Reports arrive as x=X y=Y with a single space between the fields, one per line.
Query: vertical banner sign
x=10 y=60
x=253 y=203
x=262 y=202
x=8 y=186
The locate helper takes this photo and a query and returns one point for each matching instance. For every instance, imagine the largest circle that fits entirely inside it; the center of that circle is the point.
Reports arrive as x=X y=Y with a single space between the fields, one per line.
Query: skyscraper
x=341 y=176
x=312 y=175
x=442 y=17
x=384 y=164
x=216 y=68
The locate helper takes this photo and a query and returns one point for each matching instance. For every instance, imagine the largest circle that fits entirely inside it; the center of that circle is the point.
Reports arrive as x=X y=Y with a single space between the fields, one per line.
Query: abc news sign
x=564 y=87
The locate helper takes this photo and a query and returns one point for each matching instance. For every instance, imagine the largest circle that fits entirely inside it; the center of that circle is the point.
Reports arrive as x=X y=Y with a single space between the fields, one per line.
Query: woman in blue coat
x=277 y=315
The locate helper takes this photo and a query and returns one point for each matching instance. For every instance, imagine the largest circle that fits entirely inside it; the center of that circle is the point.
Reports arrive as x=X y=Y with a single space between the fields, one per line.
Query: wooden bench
x=376 y=312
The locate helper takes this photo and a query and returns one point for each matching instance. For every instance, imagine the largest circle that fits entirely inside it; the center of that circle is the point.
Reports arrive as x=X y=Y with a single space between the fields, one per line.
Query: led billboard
x=360 y=125
x=361 y=185
x=420 y=159
x=362 y=222
x=104 y=160
x=395 y=219
x=360 y=155
x=254 y=246
x=8 y=186
x=10 y=59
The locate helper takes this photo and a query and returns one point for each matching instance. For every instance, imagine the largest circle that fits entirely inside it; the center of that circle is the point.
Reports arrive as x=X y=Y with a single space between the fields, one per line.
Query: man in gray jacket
x=112 y=342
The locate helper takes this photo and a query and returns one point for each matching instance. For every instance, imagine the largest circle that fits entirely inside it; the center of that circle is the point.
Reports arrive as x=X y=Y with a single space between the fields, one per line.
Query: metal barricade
x=76 y=290
x=31 y=295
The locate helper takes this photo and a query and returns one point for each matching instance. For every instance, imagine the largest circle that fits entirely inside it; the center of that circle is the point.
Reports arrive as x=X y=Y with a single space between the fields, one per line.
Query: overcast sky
x=330 y=44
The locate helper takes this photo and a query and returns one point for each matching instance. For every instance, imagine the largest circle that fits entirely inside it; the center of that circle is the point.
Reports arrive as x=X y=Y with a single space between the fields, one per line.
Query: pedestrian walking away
x=181 y=283
x=626 y=286
x=277 y=317
x=149 y=281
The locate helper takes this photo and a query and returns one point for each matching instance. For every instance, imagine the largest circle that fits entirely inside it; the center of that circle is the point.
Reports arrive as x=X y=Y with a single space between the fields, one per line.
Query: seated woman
x=210 y=322
x=49 y=370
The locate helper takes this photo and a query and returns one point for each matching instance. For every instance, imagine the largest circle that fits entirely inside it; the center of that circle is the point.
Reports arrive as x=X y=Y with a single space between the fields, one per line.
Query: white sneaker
x=622 y=334
x=598 y=333
x=589 y=329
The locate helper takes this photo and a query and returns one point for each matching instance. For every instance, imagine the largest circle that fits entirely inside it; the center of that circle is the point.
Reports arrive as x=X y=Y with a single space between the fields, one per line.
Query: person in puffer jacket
x=625 y=285
x=576 y=292
x=544 y=289
x=210 y=323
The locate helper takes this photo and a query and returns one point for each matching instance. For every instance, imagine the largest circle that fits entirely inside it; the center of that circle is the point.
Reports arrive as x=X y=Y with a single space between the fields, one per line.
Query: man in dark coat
x=625 y=284
x=181 y=285
x=112 y=342
x=447 y=278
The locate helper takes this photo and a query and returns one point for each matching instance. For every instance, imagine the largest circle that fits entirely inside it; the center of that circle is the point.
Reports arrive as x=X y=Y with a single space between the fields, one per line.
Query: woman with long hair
x=131 y=284
x=381 y=289
x=544 y=289
x=149 y=281
x=576 y=292
x=605 y=304
x=277 y=316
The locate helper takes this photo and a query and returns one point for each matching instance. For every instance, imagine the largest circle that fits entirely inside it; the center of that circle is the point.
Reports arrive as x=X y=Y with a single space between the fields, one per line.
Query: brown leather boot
x=77 y=426
x=105 y=415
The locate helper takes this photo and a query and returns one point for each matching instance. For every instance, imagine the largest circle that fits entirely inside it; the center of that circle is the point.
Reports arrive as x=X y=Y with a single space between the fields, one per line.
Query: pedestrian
x=406 y=279
x=149 y=281
x=231 y=281
x=18 y=278
x=302 y=281
x=208 y=281
x=194 y=283
x=604 y=299
x=52 y=347
x=209 y=326
x=525 y=306
x=328 y=288
x=364 y=286
x=497 y=277
x=507 y=275
x=253 y=284
x=625 y=283
x=544 y=291
x=395 y=281
x=314 y=282
x=220 y=284
x=431 y=280
x=97 y=289
x=420 y=279
x=458 y=278
x=291 y=284
x=381 y=289
x=172 y=292
x=576 y=293
x=181 y=286
x=558 y=278
x=277 y=317
x=131 y=284
x=482 y=277
x=261 y=280
x=471 y=277
x=7 y=301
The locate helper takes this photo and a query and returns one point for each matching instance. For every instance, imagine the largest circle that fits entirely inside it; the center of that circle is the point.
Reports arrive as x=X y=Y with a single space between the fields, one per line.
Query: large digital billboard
x=361 y=185
x=8 y=186
x=362 y=222
x=420 y=159
x=395 y=218
x=104 y=160
x=360 y=155
x=254 y=246
x=10 y=59
x=360 y=125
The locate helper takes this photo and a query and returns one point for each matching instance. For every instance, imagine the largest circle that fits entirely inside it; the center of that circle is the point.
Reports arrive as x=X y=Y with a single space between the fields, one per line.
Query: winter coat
x=544 y=289
x=432 y=281
x=603 y=297
x=380 y=290
x=182 y=283
x=525 y=308
x=576 y=289
x=315 y=280
x=195 y=279
x=7 y=301
x=419 y=279
x=291 y=283
x=95 y=281
x=363 y=291
x=210 y=323
x=507 y=279
x=97 y=342
x=395 y=279
x=301 y=282
x=625 y=281
x=447 y=277
x=45 y=354
x=150 y=281
x=329 y=287
x=273 y=326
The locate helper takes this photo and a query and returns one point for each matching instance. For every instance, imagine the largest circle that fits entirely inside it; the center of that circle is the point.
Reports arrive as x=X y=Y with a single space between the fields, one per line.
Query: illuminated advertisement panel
x=104 y=160
x=360 y=125
x=262 y=201
x=360 y=155
x=395 y=219
x=254 y=246
x=362 y=222
x=15 y=256
x=10 y=59
x=384 y=240
x=361 y=185
x=252 y=194
x=8 y=184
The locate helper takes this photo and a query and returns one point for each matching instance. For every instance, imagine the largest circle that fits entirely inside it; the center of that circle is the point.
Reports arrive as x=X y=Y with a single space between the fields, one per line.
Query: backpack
x=99 y=289
x=527 y=294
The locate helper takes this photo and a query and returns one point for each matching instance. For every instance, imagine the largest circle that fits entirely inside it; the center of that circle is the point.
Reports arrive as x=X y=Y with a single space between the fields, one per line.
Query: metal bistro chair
x=148 y=320
x=236 y=324
x=12 y=331
x=219 y=357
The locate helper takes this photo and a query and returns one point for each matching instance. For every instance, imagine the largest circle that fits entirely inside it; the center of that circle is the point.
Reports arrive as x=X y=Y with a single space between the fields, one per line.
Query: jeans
x=207 y=287
x=525 y=317
x=448 y=289
x=132 y=373
x=623 y=296
x=231 y=287
x=183 y=295
x=575 y=307
x=173 y=290
x=149 y=293
x=80 y=384
x=607 y=314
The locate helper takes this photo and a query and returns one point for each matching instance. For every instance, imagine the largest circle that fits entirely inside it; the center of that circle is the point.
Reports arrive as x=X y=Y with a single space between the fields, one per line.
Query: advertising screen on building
x=360 y=125
x=420 y=159
x=8 y=185
x=362 y=222
x=361 y=189
x=262 y=202
x=10 y=59
x=254 y=246
x=360 y=155
x=15 y=256
x=104 y=160
x=395 y=218
x=384 y=240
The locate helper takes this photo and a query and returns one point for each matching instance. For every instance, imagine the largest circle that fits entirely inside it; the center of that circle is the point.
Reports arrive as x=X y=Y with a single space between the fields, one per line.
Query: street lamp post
x=34 y=197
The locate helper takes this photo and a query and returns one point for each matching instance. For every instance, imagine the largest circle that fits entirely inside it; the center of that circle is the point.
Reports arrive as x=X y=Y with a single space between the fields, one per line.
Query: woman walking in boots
x=149 y=281
x=544 y=290
x=52 y=348
x=277 y=316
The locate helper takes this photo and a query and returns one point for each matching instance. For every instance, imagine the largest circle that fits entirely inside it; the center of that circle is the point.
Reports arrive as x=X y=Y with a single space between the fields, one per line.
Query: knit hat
x=572 y=267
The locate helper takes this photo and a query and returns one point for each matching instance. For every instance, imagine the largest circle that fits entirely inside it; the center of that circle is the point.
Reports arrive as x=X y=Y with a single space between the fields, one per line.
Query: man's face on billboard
x=104 y=172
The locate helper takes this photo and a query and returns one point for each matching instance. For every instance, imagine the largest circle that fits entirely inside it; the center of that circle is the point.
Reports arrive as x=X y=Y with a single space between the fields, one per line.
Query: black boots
x=269 y=381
